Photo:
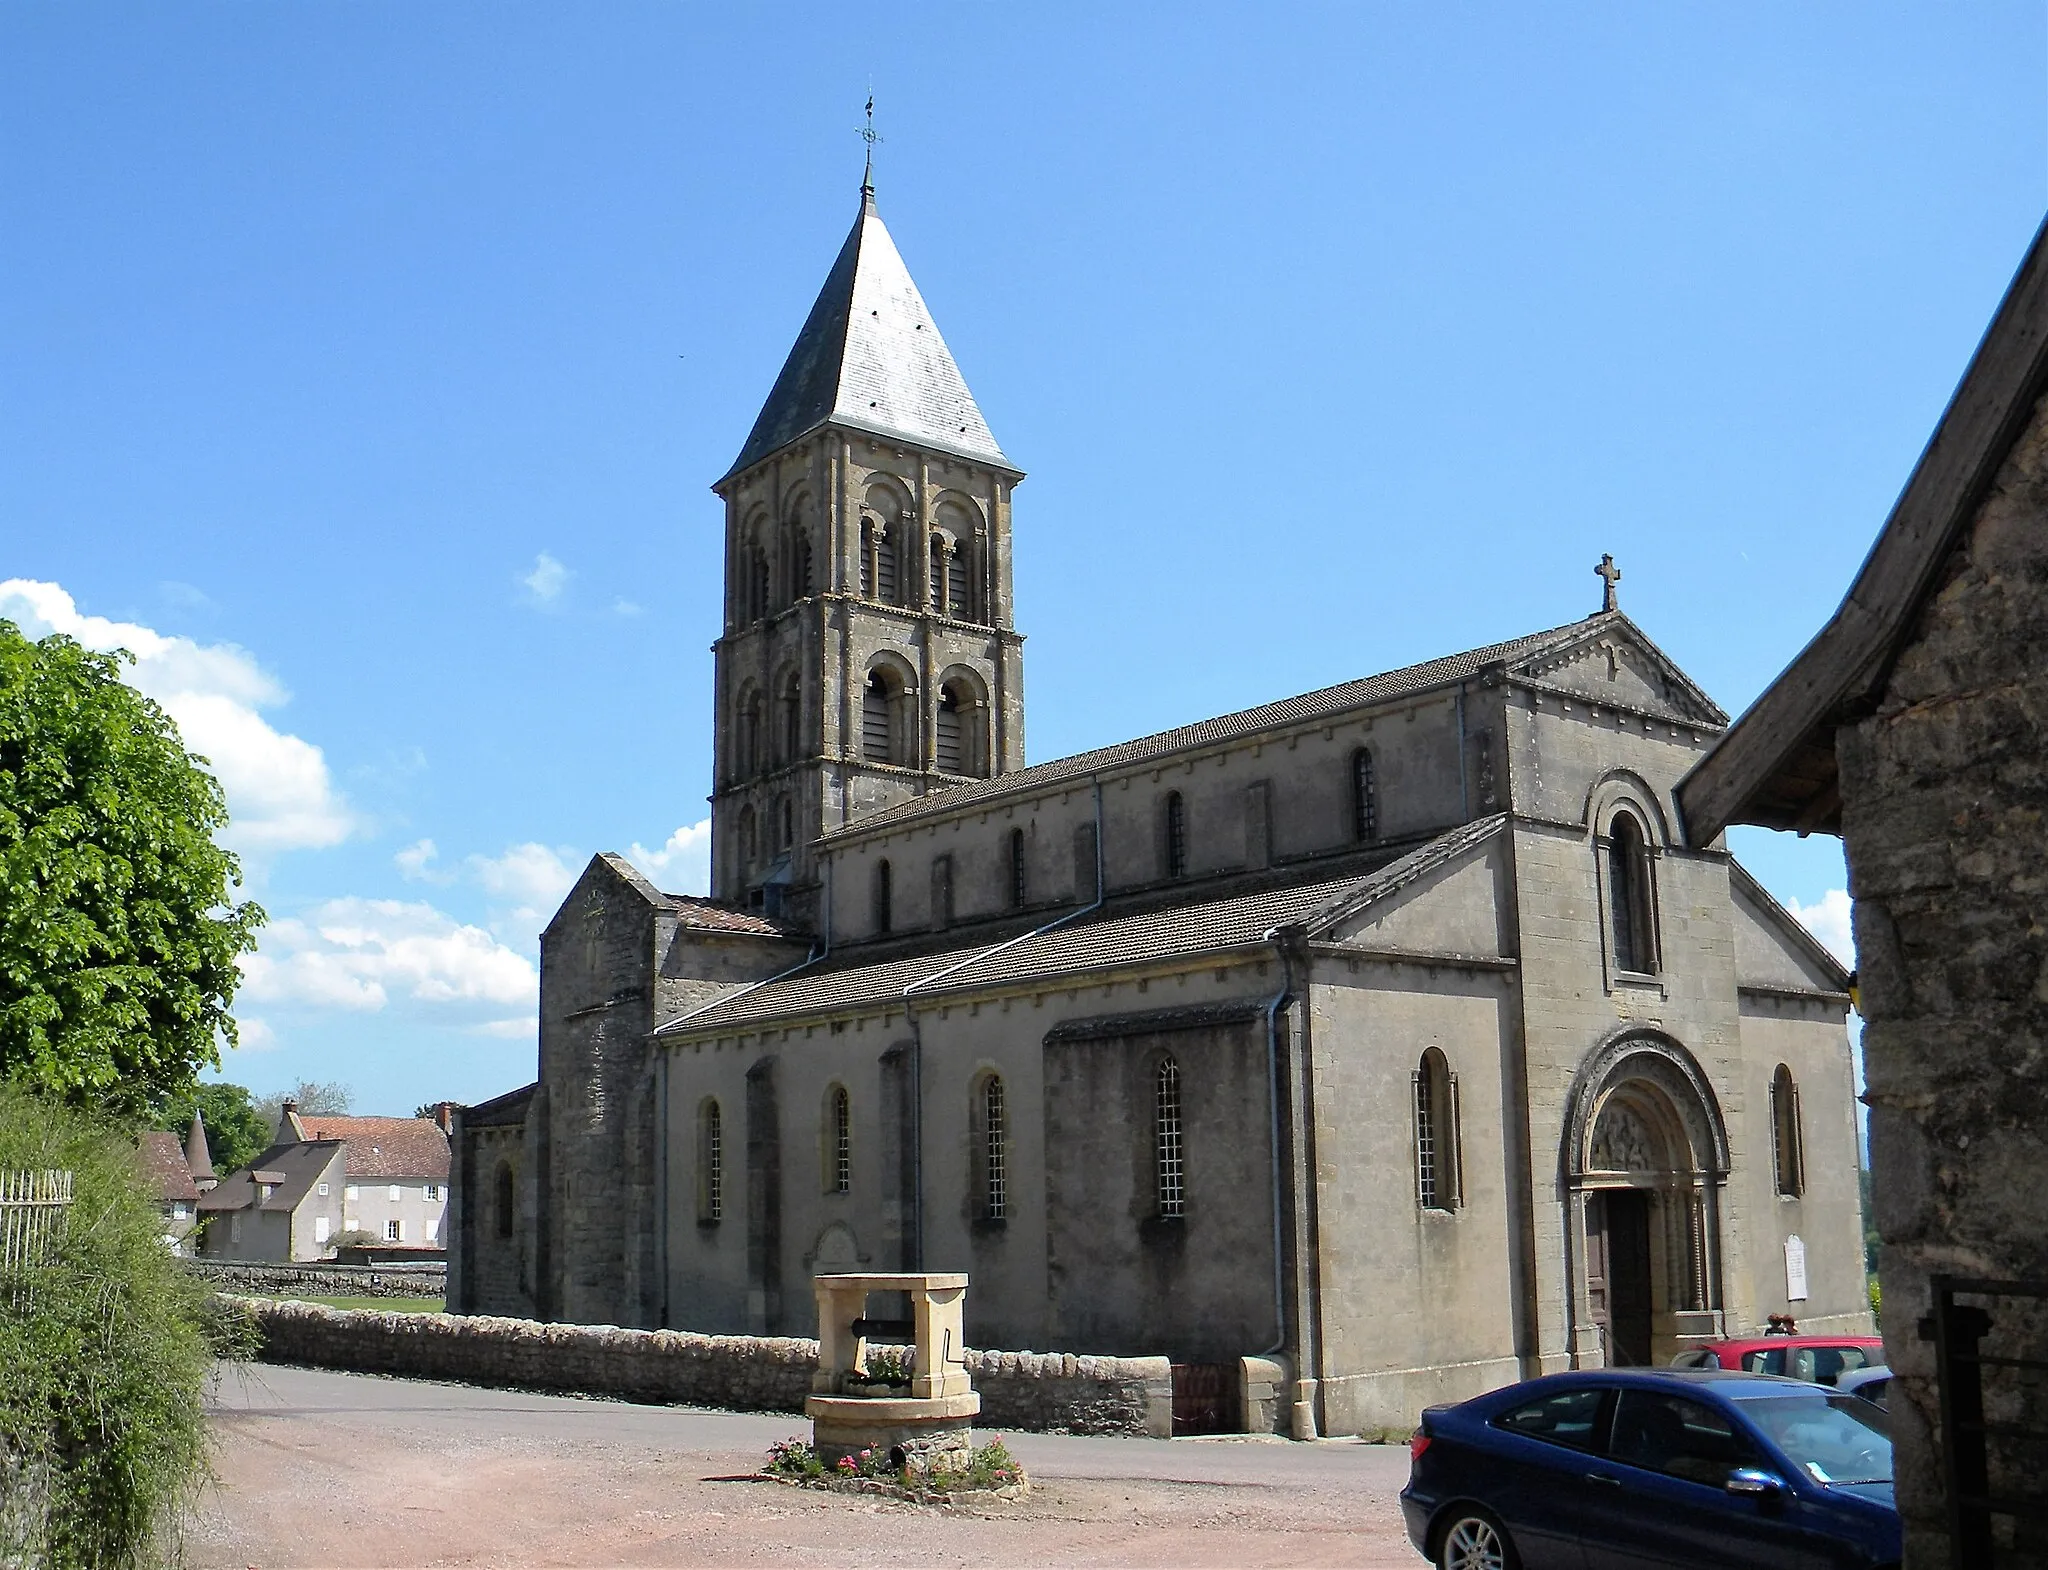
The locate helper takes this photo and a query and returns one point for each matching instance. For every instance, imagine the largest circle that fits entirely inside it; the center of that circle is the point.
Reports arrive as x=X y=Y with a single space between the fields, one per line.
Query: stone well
x=930 y=1427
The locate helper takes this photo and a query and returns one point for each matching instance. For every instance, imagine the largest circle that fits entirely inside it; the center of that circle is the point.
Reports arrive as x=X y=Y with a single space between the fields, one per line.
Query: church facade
x=1390 y=1032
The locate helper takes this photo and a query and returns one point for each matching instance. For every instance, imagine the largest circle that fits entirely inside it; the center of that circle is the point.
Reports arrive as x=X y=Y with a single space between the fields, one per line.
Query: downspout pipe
x=1274 y=1005
x=917 y=1033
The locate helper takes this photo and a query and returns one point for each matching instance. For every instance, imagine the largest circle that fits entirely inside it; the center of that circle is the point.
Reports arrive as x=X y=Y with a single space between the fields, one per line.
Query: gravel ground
x=320 y=1469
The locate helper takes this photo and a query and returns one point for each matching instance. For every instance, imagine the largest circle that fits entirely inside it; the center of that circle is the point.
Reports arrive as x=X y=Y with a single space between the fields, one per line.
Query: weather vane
x=870 y=135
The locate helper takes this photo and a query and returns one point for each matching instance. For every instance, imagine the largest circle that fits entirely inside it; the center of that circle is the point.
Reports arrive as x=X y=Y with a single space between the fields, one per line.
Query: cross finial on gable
x=1612 y=574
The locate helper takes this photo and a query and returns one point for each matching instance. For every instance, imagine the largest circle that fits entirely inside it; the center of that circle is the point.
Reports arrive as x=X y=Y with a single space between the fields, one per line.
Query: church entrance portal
x=1618 y=1277
x=1645 y=1158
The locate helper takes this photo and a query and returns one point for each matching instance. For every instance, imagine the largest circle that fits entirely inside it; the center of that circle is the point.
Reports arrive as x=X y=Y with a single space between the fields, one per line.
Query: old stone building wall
x=1945 y=797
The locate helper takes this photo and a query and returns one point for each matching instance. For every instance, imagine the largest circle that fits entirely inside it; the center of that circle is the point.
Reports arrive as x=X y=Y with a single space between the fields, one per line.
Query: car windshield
x=1839 y=1439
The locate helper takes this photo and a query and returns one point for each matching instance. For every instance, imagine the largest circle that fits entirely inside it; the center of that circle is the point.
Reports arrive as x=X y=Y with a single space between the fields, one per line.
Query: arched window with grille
x=884 y=897
x=881 y=576
x=710 y=1163
x=1439 y=1184
x=1169 y=1155
x=800 y=574
x=960 y=727
x=1174 y=834
x=1788 y=1142
x=1020 y=871
x=1365 y=798
x=507 y=1200
x=940 y=583
x=1631 y=906
x=838 y=1141
x=991 y=1132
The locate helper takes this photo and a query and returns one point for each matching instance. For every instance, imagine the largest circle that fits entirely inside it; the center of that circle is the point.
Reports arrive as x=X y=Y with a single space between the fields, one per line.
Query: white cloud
x=415 y=863
x=280 y=796
x=628 y=608
x=1827 y=918
x=255 y=1034
x=532 y=875
x=545 y=583
x=683 y=864
x=524 y=1028
x=362 y=955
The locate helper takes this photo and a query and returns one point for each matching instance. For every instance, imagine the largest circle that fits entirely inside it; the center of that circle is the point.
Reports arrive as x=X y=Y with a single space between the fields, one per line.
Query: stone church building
x=1392 y=1032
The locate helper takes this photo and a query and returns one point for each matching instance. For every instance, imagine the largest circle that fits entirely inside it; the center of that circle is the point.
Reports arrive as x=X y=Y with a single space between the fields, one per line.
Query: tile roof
x=163 y=1163
x=1137 y=932
x=1365 y=690
x=870 y=356
x=296 y=1169
x=385 y=1147
x=715 y=916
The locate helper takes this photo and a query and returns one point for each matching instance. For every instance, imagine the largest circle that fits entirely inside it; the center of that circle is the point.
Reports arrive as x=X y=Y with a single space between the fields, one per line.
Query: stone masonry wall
x=1945 y=814
x=1039 y=1392
x=323 y=1280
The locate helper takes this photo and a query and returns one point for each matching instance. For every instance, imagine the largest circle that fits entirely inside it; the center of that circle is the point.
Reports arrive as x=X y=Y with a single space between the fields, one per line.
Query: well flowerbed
x=991 y=1473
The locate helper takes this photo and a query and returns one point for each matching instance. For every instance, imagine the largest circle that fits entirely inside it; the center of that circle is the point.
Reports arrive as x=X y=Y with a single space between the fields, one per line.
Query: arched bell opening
x=1645 y=1159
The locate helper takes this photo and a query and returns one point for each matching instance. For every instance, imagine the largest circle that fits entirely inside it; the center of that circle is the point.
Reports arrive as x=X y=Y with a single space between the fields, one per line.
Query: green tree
x=236 y=1131
x=118 y=930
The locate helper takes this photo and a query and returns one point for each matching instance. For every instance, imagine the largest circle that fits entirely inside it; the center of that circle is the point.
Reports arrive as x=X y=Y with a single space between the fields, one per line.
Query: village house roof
x=289 y=1171
x=163 y=1161
x=1125 y=932
x=384 y=1147
x=1776 y=766
x=870 y=358
x=1531 y=651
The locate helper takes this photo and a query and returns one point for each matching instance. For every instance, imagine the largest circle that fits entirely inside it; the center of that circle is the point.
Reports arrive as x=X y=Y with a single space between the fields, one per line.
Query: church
x=1392 y=1033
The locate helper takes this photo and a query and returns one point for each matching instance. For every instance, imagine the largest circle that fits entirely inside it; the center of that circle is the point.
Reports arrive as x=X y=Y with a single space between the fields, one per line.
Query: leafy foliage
x=236 y=1132
x=105 y=1349
x=118 y=933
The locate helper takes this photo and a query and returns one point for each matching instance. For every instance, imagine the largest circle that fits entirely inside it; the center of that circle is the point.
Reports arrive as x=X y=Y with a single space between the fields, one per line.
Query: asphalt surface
x=317 y=1468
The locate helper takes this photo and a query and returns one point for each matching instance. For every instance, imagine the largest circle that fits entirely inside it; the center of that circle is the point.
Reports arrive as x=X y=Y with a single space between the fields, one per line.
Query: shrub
x=105 y=1348
x=1876 y=1309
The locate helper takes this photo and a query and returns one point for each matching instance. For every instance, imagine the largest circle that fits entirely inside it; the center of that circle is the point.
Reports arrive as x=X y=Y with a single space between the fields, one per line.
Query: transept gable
x=1445 y=898
x=1611 y=661
x=1773 y=949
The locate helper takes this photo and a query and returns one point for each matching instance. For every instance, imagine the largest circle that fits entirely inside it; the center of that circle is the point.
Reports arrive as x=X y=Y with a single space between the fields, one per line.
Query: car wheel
x=1474 y=1539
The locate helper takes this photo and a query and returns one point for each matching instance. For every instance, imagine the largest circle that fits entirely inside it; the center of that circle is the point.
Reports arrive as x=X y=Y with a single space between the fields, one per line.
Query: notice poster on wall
x=1795 y=1269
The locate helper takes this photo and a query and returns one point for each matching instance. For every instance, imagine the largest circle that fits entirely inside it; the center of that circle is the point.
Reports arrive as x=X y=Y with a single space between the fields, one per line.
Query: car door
x=1535 y=1472
x=1667 y=1506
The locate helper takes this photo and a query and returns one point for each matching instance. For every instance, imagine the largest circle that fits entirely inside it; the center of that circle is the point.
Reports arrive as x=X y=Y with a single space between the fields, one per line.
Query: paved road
x=320 y=1468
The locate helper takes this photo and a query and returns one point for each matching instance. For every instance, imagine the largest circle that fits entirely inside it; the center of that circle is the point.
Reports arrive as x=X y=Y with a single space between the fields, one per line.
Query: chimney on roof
x=198 y=1156
x=443 y=1114
x=290 y=1131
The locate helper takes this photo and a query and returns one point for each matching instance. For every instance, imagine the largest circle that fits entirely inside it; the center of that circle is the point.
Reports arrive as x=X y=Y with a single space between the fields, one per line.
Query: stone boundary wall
x=322 y=1279
x=1043 y=1392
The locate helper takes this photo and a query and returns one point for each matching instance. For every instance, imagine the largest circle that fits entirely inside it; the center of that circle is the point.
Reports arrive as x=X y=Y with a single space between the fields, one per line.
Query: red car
x=1819 y=1359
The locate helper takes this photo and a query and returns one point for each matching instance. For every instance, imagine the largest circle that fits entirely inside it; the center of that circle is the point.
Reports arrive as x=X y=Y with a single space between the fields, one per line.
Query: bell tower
x=869 y=653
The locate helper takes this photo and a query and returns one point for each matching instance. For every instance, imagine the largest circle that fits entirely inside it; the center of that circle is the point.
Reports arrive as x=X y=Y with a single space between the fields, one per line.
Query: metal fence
x=32 y=1209
x=1977 y=1449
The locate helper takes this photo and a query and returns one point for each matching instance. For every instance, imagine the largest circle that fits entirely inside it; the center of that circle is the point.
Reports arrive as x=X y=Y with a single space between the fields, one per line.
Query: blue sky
x=364 y=368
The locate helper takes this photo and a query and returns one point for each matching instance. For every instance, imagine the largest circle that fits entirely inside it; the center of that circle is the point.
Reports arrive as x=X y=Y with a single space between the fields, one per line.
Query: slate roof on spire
x=870 y=357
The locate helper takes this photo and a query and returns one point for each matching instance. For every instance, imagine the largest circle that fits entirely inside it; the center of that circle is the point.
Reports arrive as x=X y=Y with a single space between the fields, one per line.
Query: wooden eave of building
x=1776 y=766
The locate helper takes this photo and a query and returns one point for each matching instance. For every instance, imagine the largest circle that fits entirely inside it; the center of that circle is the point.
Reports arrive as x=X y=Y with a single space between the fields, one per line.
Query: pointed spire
x=198 y=1156
x=870 y=358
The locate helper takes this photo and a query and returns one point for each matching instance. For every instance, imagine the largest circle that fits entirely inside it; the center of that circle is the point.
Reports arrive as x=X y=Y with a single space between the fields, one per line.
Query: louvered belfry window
x=886 y=589
x=877 y=738
x=1168 y=1155
x=939 y=581
x=951 y=753
x=959 y=602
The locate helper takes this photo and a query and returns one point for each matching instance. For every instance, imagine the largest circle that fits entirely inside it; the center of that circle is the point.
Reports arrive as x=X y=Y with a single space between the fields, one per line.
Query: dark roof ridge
x=1406 y=681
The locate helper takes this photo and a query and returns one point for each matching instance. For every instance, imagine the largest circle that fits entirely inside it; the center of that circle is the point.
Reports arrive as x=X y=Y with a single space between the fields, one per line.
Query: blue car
x=1628 y=1469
